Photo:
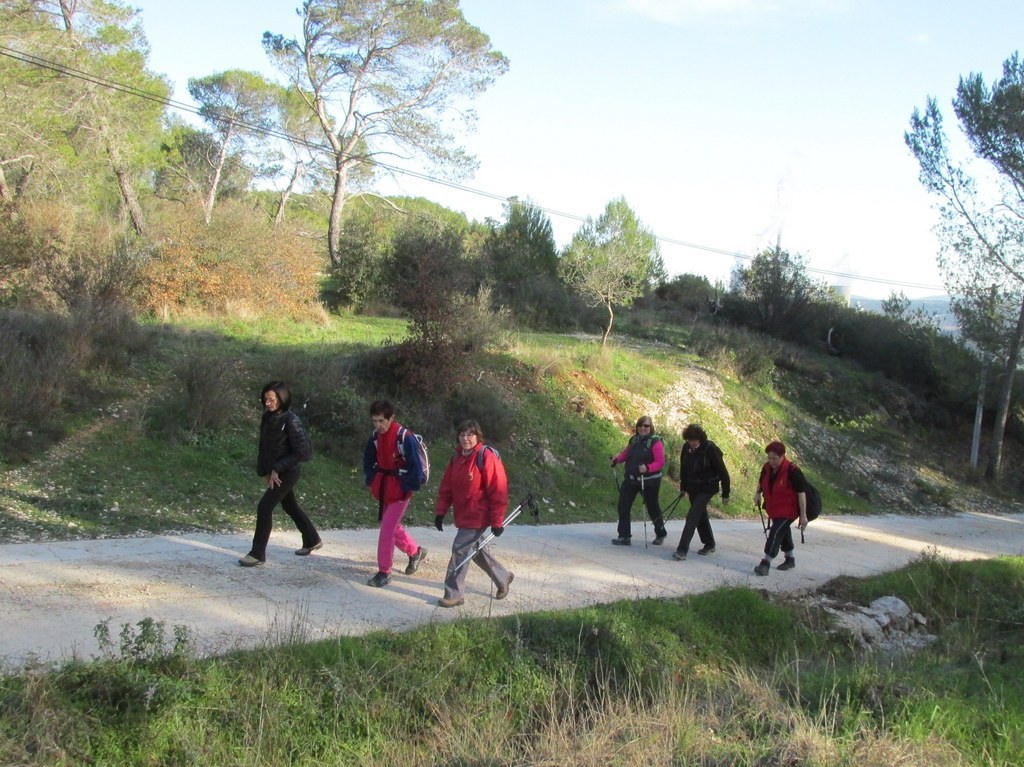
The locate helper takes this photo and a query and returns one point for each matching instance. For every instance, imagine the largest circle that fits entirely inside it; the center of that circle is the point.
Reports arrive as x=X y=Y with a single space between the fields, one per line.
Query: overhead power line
x=105 y=82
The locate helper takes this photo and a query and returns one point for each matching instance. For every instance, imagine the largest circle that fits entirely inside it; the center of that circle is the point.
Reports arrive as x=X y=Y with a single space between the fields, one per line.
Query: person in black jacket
x=283 y=445
x=701 y=472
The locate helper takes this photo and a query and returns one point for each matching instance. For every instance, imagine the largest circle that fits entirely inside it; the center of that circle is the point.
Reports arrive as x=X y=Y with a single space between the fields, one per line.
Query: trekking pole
x=643 y=495
x=478 y=546
x=671 y=508
x=764 y=524
x=615 y=477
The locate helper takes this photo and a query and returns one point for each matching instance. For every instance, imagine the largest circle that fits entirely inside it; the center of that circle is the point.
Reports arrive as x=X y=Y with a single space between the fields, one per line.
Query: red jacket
x=389 y=461
x=480 y=498
x=780 y=492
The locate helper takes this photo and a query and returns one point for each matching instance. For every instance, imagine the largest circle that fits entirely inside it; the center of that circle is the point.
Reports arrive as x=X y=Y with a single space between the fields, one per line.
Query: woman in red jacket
x=783 y=487
x=476 y=486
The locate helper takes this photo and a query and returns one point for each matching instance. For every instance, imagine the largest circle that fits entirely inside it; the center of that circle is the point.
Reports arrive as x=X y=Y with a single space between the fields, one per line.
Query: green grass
x=725 y=677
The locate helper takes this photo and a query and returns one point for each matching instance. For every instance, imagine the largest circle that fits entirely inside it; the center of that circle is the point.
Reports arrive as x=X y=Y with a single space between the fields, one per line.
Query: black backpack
x=813 y=501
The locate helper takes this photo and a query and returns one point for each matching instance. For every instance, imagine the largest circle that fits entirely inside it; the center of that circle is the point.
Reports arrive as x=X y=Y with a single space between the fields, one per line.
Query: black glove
x=612 y=459
x=439 y=522
x=497 y=530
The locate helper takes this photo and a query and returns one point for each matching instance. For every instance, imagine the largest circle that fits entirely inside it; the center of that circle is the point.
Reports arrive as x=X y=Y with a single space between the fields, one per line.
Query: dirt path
x=54 y=594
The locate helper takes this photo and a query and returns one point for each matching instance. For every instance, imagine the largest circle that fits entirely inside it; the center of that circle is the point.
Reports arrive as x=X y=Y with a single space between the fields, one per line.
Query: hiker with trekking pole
x=783 y=488
x=644 y=457
x=476 y=487
x=702 y=473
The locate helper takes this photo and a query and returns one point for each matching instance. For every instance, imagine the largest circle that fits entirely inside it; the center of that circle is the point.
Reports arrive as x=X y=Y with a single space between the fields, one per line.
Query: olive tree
x=610 y=261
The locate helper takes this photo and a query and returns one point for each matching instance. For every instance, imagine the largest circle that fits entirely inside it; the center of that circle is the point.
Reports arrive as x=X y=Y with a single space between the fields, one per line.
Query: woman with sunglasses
x=644 y=456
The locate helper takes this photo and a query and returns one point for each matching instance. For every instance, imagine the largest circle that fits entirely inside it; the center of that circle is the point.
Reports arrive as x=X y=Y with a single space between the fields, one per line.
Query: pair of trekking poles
x=764 y=523
x=527 y=503
x=666 y=513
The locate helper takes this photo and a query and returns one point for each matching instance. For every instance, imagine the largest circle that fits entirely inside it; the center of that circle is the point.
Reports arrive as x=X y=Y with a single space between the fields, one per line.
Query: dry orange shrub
x=238 y=264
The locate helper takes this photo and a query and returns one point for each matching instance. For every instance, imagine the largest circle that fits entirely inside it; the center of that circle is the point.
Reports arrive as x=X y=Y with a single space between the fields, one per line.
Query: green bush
x=485 y=405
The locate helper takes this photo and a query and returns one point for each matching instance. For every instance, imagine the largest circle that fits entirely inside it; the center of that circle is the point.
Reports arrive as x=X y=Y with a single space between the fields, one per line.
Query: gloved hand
x=496 y=530
x=612 y=459
x=439 y=522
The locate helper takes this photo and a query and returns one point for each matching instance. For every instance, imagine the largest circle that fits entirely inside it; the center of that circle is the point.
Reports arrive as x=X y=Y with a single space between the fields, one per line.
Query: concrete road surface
x=52 y=595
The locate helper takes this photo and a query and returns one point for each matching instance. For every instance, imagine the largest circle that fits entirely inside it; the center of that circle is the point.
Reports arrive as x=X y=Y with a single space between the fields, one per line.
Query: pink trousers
x=393 y=535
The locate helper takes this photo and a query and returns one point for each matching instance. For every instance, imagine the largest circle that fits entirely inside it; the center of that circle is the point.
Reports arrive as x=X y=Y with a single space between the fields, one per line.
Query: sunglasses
x=643 y=426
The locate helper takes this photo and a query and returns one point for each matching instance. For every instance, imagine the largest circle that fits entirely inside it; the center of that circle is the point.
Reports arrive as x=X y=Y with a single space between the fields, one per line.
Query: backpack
x=480 y=456
x=421 y=446
x=813 y=501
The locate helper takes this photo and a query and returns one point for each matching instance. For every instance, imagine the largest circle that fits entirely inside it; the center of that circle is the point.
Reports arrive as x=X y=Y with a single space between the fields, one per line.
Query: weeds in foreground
x=724 y=678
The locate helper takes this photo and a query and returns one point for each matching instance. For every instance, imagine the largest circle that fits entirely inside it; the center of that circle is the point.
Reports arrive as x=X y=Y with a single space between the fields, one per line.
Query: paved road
x=52 y=595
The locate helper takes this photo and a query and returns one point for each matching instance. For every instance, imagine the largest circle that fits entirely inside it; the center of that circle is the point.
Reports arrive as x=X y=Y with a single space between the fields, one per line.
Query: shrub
x=485 y=405
x=203 y=400
x=239 y=264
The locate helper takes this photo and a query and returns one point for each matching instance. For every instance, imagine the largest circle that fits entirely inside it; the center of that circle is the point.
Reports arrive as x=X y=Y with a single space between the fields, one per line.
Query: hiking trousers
x=697 y=520
x=283 y=494
x=780 y=536
x=628 y=491
x=465 y=539
x=393 y=536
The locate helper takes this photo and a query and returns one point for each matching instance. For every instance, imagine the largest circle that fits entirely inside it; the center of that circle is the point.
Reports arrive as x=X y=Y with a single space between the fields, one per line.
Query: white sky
x=728 y=124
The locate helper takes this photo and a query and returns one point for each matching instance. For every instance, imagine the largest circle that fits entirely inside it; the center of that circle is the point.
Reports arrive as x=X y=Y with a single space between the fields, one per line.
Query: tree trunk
x=67 y=12
x=1005 y=392
x=979 y=411
x=124 y=183
x=6 y=195
x=296 y=175
x=608 y=330
x=337 y=206
x=211 y=196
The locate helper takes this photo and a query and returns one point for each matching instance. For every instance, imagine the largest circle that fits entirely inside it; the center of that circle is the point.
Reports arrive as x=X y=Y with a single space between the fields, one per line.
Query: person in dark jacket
x=283 y=446
x=644 y=456
x=784 y=490
x=702 y=473
x=393 y=470
x=476 y=487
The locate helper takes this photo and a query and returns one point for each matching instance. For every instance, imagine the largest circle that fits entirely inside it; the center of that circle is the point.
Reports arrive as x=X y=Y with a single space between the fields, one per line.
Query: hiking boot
x=659 y=539
x=620 y=541
x=762 y=569
x=503 y=591
x=414 y=561
x=789 y=564
x=250 y=561
x=380 y=579
x=449 y=602
x=305 y=551
x=679 y=556
x=706 y=550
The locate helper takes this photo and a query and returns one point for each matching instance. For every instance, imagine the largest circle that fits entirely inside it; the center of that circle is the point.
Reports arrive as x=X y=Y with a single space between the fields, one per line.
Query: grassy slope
x=131 y=471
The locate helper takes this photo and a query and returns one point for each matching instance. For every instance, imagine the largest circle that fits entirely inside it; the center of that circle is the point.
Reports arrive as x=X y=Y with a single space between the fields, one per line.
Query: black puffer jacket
x=284 y=444
x=702 y=470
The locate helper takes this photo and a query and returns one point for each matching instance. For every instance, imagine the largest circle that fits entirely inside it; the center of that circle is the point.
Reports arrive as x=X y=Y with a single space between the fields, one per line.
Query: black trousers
x=283 y=494
x=628 y=491
x=780 y=536
x=697 y=520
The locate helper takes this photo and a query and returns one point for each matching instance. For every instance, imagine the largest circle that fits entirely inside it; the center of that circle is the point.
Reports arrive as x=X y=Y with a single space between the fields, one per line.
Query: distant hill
x=937 y=305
